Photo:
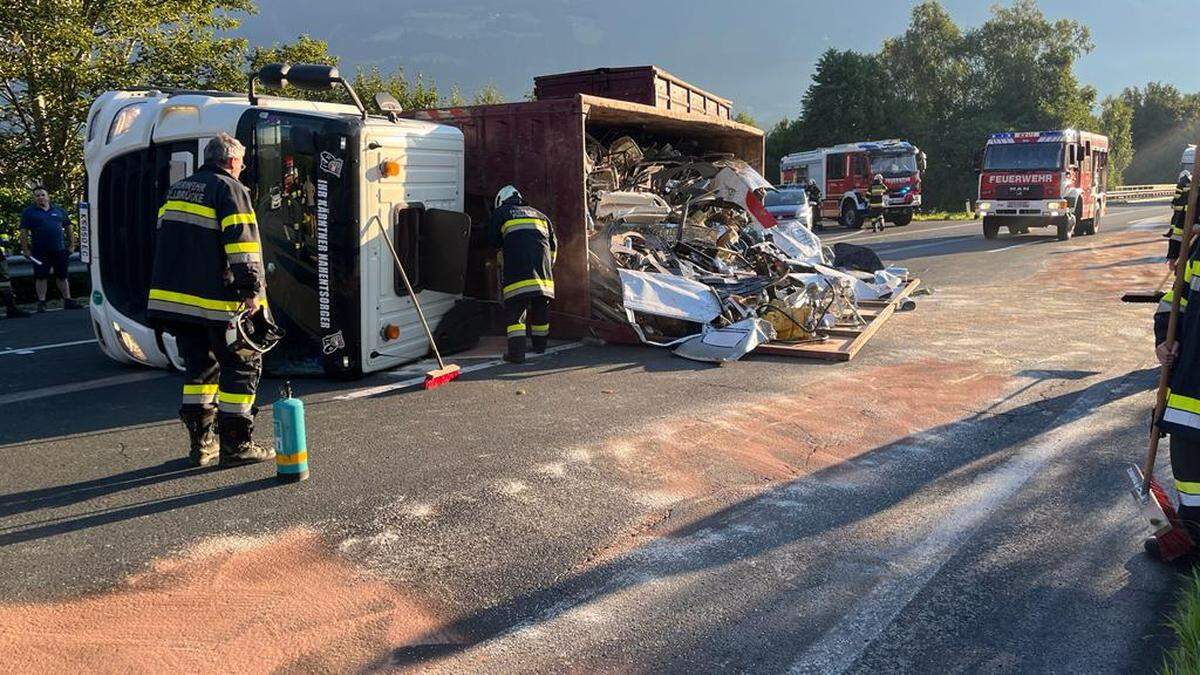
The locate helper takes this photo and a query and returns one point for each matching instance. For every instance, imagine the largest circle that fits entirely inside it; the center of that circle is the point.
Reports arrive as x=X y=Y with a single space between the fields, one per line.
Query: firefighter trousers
x=216 y=378
x=1185 y=466
x=537 y=309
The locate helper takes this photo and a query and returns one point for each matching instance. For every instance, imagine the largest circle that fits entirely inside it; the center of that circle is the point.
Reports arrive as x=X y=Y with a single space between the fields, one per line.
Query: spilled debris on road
x=682 y=249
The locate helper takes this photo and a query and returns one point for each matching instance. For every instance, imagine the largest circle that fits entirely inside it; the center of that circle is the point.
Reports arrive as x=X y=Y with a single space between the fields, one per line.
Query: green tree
x=488 y=95
x=848 y=100
x=412 y=94
x=1116 y=122
x=58 y=55
x=743 y=117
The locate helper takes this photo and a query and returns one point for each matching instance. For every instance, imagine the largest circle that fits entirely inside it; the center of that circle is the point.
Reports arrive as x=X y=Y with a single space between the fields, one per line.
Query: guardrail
x=20 y=267
x=1133 y=193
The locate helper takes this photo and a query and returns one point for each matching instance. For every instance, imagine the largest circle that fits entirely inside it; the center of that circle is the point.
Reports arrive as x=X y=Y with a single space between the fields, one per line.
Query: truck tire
x=1066 y=229
x=903 y=219
x=990 y=228
x=1092 y=225
x=851 y=218
x=1081 y=225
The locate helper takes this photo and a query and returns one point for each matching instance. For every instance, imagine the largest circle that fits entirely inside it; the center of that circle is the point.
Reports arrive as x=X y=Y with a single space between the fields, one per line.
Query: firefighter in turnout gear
x=207 y=270
x=526 y=238
x=1179 y=208
x=813 y=191
x=875 y=198
x=1181 y=417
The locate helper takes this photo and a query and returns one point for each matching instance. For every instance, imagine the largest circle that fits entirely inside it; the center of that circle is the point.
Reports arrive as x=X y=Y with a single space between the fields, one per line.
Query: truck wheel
x=903 y=219
x=990 y=228
x=1066 y=229
x=851 y=218
x=1081 y=225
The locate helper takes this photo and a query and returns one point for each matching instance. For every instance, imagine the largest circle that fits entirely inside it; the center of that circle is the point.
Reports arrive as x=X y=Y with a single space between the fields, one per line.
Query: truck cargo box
x=539 y=147
x=648 y=85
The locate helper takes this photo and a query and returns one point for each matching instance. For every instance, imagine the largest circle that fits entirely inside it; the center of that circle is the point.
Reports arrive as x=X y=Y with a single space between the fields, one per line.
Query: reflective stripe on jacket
x=1182 y=414
x=527 y=239
x=208 y=254
x=875 y=195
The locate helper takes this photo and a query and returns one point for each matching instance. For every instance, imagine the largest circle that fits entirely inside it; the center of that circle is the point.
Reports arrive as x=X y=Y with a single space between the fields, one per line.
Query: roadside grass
x=943 y=215
x=1184 y=657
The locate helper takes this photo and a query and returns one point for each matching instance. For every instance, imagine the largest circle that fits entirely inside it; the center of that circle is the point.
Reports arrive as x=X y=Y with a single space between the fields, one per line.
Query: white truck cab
x=324 y=178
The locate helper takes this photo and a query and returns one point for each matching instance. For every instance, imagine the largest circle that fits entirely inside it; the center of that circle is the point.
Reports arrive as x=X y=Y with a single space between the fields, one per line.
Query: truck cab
x=324 y=178
x=1052 y=179
x=844 y=173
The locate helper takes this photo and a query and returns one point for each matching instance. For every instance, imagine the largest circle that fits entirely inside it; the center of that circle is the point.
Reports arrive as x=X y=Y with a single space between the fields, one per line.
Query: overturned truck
x=658 y=206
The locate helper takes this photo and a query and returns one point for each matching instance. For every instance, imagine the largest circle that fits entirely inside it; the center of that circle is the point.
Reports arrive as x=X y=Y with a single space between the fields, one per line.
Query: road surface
x=951 y=500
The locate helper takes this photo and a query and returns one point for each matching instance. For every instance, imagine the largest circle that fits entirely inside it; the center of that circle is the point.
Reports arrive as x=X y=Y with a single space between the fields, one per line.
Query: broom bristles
x=1175 y=541
x=436 y=378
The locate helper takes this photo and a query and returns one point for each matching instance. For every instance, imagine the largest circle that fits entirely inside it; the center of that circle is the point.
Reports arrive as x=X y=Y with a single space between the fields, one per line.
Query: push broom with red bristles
x=1171 y=534
x=444 y=373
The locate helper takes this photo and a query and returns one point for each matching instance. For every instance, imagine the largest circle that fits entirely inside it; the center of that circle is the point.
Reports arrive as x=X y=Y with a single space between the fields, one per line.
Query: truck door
x=836 y=184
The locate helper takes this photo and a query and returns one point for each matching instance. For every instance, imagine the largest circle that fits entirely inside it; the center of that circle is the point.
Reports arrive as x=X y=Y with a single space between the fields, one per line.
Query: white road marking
x=25 y=351
x=841 y=647
x=415 y=381
x=898 y=232
x=1021 y=245
x=73 y=387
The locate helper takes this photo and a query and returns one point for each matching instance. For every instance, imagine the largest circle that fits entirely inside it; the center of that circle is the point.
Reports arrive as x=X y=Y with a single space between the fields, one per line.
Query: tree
x=743 y=117
x=848 y=100
x=412 y=95
x=488 y=95
x=1116 y=122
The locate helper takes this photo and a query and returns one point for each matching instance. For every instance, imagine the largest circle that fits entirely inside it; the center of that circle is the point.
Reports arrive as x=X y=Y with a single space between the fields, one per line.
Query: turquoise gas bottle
x=291 y=446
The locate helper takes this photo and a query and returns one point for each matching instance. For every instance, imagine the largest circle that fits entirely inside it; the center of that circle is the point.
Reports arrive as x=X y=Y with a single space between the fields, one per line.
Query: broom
x=1173 y=538
x=1152 y=296
x=444 y=373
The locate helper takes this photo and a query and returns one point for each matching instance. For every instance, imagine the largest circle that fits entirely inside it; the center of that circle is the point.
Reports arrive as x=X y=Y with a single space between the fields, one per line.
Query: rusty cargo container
x=539 y=146
x=648 y=85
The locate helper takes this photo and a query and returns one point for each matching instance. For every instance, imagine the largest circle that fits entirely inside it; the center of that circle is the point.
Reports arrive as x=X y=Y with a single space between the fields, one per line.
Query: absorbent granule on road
x=230 y=604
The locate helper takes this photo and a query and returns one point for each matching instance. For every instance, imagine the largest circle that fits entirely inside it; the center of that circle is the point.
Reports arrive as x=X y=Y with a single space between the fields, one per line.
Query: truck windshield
x=1023 y=156
x=894 y=164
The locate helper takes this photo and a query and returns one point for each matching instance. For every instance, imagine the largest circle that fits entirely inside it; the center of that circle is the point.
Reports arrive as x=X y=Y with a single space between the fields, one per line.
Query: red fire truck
x=844 y=173
x=1043 y=179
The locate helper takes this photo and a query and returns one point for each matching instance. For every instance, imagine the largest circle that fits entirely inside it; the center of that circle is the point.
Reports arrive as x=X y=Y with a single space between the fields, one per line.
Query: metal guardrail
x=1133 y=193
x=20 y=267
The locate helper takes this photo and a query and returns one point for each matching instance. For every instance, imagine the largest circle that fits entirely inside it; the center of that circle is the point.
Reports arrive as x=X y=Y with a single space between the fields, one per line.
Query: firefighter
x=1180 y=418
x=1179 y=208
x=875 y=198
x=208 y=272
x=814 y=202
x=526 y=238
x=6 y=290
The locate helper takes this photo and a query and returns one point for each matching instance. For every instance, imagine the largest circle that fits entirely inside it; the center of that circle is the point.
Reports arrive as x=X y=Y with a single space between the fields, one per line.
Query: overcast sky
x=760 y=53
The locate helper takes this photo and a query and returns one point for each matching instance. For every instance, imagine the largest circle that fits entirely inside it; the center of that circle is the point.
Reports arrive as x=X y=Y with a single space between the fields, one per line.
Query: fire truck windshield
x=1023 y=157
x=894 y=165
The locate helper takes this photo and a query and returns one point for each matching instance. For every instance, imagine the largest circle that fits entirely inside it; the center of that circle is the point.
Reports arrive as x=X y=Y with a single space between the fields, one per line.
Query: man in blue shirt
x=46 y=240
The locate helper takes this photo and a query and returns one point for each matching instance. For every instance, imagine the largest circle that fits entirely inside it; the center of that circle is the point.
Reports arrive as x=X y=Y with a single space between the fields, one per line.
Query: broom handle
x=1164 y=376
x=411 y=293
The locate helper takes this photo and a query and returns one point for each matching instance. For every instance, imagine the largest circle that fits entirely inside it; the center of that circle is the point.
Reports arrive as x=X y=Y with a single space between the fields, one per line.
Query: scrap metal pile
x=682 y=249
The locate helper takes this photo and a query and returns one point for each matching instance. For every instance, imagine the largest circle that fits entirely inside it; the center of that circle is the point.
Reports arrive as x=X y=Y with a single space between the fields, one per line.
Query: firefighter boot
x=237 y=445
x=539 y=342
x=516 y=350
x=203 y=438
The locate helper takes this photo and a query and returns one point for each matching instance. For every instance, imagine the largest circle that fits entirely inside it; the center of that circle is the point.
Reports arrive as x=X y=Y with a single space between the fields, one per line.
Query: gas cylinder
x=291 y=447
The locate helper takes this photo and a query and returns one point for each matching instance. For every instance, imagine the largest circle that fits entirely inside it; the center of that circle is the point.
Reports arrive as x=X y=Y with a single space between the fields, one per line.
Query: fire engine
x=324 y=178
x=1043 y=179
x=844 y=174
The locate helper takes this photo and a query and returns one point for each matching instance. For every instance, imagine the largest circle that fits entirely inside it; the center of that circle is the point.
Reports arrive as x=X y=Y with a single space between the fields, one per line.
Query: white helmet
x=506 y=193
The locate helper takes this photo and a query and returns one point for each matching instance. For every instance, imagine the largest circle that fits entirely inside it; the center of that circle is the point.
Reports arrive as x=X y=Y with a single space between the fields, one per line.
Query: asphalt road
x=951 y=500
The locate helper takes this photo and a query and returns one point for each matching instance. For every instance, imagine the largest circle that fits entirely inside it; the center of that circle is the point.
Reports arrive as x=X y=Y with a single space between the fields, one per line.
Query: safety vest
x=527 y=239
x=1182 y=414
x=875 y=195
x=207 y=253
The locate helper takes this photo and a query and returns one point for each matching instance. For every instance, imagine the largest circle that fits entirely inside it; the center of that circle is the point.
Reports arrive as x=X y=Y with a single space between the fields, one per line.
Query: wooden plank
x=844 y=343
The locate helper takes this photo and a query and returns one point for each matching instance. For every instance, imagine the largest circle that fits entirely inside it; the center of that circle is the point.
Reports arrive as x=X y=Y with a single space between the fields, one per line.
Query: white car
x=789 y=204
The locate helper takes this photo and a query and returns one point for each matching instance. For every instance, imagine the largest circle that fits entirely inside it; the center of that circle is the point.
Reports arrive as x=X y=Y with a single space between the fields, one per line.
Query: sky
x=760 y=53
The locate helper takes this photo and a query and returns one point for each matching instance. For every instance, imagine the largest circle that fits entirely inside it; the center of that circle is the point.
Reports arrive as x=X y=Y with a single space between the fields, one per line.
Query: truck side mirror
x=977 y=162
x=922 y=161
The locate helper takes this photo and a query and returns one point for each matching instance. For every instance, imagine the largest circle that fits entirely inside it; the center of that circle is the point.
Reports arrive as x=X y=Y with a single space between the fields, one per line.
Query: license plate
x=1019 y=205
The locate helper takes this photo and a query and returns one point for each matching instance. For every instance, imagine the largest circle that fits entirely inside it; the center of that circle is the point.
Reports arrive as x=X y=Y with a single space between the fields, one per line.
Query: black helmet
x=249 y=335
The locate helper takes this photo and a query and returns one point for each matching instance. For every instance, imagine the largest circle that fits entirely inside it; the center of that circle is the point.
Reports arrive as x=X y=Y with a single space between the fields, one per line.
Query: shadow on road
x=769 y=521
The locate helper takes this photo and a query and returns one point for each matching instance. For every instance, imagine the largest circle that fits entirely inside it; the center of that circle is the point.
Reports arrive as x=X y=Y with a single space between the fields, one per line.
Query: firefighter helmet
x=878 y=178
x=249 y=335
x=507 y=192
